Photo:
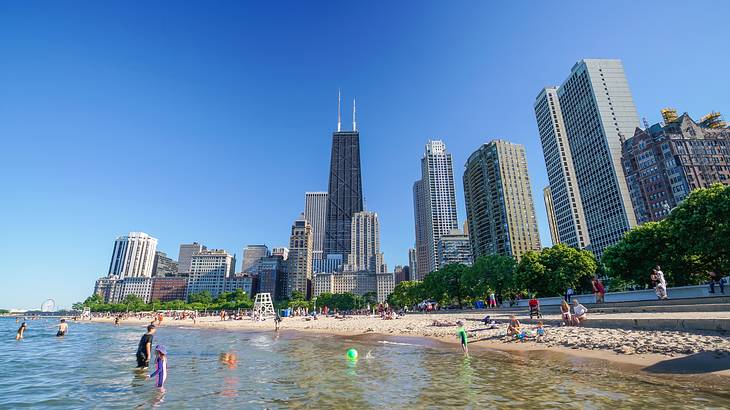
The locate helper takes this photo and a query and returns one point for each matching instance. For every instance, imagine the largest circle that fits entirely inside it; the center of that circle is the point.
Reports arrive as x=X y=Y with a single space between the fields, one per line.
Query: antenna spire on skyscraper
x=354 y=122
x=339 y=110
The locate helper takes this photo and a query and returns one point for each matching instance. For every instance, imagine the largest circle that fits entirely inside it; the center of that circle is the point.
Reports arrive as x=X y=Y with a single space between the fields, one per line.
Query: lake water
x=93 y=367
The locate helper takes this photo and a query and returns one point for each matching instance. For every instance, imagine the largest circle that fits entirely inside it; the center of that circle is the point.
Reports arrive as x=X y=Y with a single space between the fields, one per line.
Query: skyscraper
x=569 y=219
x=163 y=266
x=315 y=212
x=598 y=110
x=435 y=205
x=547 y=196
x=499 y=204
x=299 y=272
x=133 y=256
x=252 y=254
x=365 y=255
x=344 y=197
x=185 y=257
x=412 y=263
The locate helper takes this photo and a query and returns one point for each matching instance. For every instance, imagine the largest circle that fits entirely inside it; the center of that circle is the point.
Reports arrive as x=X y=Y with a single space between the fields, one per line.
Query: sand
x=640 y=347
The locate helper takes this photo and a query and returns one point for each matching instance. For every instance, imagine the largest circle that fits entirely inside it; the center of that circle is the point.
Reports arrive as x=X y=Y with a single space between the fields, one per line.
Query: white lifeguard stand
x=263 y=306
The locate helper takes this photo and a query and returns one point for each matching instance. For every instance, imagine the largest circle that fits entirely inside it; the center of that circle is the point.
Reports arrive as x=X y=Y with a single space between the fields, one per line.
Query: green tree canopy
x=551 y=271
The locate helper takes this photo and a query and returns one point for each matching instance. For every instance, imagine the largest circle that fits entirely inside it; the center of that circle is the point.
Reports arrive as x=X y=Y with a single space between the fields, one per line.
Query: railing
x=681 y=292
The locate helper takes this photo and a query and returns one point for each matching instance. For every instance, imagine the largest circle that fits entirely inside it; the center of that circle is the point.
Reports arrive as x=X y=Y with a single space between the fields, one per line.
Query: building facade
x=598 y=111
x=315 y=212
x=272 y=276
x=209 y=270
x=281 y=251
x=567 y=207
x=664 y=163
x=401 y=274
x=344 y=196
x=185 y=257
x=365 y=252
x=133 y=256
x=299 y=270
x=358 y=283
x=499 y=203
x=163 y=266
x=332 y=263
x=412 y=263
x=547 y=196
x=137 y=285
x=166 y=289
x=242 y=281
x=435 y=205
x=454 y=247
x=252 y=254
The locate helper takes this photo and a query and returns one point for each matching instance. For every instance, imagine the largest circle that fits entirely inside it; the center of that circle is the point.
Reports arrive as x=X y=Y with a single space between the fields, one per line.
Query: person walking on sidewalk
x=660 y=284
x=568 y=294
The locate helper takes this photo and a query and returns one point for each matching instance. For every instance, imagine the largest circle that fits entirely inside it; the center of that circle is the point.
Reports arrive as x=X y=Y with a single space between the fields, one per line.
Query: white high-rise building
x=365 y=255
x=185 y=257
x=133 y=256
x=209 y=270
x=598 y=111
x=315 y=212
x=569 y=219
x=412 y=263
x=435 y=205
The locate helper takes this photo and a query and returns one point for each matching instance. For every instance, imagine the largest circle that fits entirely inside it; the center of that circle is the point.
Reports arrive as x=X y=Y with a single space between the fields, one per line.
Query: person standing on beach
x=598 y=289
x=661 y=283
x=144 y=350
x=463 y=337
x=62 y=328
x=21 y=330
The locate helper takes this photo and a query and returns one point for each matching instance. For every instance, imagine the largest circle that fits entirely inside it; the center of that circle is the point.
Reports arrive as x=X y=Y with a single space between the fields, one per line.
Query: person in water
x=62 y=328
x=21 y=330
x=160 y=366
x=144 y=350
x=463 y=337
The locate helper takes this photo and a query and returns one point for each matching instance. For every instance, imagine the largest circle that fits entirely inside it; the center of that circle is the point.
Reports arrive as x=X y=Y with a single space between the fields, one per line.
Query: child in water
x=461 y=333
x=21 y=330
x=160 y=365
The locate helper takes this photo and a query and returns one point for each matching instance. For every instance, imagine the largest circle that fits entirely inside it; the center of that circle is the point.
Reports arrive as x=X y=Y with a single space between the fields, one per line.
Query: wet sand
x=654 y=351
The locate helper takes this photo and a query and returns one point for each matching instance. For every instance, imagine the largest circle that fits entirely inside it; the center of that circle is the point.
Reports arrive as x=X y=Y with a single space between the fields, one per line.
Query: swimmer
x=160 y=366
x=116 y=321
x=62 y=328
x=277 y=321
x=461 y=333
x=21 y=330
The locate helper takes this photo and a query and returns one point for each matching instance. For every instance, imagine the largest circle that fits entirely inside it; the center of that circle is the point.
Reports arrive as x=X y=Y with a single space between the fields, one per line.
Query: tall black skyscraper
x=345 y=187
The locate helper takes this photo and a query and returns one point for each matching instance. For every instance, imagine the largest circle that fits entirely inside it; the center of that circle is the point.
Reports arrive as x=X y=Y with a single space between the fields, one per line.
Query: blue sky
x=207 y=122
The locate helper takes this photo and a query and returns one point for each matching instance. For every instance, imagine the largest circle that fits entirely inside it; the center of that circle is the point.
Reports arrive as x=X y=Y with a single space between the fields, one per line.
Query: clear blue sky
x=207 y=121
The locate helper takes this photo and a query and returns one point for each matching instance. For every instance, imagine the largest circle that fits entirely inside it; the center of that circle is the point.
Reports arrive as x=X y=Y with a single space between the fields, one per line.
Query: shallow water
x=93 y=367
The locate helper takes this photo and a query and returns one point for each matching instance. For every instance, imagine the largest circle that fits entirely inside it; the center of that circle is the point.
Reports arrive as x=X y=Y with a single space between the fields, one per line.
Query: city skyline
x=208 y=104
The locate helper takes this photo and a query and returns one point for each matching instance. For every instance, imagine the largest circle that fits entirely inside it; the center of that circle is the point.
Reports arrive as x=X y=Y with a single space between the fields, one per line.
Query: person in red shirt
x=598 y=289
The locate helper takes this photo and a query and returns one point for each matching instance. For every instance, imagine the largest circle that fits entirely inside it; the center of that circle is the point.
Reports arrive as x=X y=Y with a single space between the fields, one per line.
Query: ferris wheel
x=48 y=306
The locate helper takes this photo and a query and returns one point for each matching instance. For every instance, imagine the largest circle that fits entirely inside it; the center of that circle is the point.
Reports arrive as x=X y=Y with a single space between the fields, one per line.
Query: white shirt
x=660 y=278
x=579 y=310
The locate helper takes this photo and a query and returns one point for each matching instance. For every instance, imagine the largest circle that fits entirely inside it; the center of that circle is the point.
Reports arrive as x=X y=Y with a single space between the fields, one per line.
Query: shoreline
x=708 y=366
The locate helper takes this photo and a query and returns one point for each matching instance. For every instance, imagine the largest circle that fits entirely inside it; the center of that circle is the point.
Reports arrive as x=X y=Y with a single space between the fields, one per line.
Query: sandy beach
x=670 y=351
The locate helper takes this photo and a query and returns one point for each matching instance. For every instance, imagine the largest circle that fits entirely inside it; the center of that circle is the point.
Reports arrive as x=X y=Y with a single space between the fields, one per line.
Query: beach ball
x=352 y=354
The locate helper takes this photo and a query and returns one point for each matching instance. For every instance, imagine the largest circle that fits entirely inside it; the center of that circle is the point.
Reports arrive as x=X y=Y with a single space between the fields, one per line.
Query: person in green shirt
x=463 y=337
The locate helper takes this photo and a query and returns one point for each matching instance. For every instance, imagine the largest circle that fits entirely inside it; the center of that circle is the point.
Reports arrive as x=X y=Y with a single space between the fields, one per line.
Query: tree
x=370 y=298
x=492 y=272
x=298 y=295
x=552 y=270
x=453 y=274
x=691 y=241
x=203 y=298
x=406 y=294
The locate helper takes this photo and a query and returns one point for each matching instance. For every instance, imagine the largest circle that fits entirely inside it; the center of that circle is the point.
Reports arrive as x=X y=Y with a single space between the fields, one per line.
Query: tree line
x=691 y=242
